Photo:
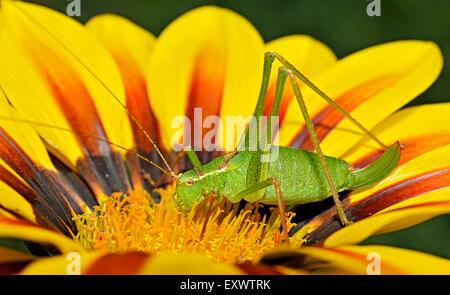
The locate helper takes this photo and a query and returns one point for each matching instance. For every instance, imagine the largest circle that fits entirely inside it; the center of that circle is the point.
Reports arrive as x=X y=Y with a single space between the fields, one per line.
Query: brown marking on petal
x=138 y=104
x=206 y=89
x=118 y=264
x=327 y=118
x=258 y=269
x=326 y=223
x=75 y=184
x=103 y=171
x=12 y=267
x=50 y=203
x=411 y=148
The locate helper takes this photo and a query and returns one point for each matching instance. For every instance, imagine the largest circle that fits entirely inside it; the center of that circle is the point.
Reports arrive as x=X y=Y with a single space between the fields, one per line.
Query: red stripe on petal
x=206 y=91
x=118 y=264
x=51 y=202
x=411 y=148
x=12 y=267
x=327 y=222
x=258 y=269
x=398 y=192
x=138 y=102
x=101 y=165
x=326 y=119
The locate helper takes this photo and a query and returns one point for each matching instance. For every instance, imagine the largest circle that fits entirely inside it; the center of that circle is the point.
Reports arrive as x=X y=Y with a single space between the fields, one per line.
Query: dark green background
x=345 y=27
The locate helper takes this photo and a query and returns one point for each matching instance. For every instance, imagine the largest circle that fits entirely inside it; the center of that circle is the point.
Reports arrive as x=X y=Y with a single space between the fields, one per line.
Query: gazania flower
x=73 y=189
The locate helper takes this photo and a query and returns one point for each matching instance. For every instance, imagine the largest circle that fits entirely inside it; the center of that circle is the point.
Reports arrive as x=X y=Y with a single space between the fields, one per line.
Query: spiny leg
x=331 y=102
x=282 y=208
x=316 y=144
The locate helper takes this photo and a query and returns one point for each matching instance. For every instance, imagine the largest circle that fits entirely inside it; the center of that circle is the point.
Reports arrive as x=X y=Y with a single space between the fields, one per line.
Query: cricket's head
x=193 y=185
x=189 y=190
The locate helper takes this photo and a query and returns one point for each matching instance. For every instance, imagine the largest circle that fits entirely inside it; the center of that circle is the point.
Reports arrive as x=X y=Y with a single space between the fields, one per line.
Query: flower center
x=225 y=232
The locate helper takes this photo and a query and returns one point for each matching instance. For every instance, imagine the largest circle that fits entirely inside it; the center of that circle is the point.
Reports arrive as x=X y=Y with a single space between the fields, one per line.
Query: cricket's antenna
x=133 y=118
x=24 y=121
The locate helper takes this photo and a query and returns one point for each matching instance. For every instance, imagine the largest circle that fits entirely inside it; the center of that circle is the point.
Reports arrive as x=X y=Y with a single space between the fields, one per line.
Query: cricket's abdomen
x=301 y=177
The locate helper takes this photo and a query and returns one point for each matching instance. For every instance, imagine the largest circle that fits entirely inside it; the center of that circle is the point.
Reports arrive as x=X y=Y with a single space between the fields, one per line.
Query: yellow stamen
x=133 y=222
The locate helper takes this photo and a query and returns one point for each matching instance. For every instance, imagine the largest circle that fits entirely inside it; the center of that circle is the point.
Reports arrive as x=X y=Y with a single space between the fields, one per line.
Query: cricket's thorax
x=299 y=172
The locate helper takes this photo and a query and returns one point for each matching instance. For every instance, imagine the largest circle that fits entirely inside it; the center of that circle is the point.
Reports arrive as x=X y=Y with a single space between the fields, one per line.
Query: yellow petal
x=193 y=264
x=362 y=260
x=419 y=129
x=370 y=84
x=132 y=263
x=309 y=55
x=209 y=57
x=61 y=265
x=63 y=73
x=15 y=203
x=30 y=232
x=23 y=135
x=411 y=183
x=399 y=216
x=130 y=47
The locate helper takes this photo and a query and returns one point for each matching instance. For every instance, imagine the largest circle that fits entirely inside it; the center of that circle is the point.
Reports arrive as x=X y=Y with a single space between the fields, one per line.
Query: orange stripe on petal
x=67 y=82
x=411 y=148
x=75 y=101
x=130 y=47
x=208 y=78
x=200 y=61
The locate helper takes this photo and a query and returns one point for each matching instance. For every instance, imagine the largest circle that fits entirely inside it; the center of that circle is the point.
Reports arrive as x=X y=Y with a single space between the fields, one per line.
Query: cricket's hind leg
x=318 y=150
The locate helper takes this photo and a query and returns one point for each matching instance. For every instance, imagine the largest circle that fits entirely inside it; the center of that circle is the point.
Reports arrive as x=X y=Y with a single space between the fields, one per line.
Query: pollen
x=223 y=231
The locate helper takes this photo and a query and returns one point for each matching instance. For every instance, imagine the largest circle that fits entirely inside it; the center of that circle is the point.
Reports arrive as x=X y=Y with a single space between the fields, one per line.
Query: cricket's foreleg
x=281 y=206
x=195 y=161
x=318 y=150
x=268 y=61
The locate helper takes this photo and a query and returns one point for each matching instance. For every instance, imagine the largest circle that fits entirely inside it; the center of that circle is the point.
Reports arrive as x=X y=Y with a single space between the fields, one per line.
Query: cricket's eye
x=189 y=182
